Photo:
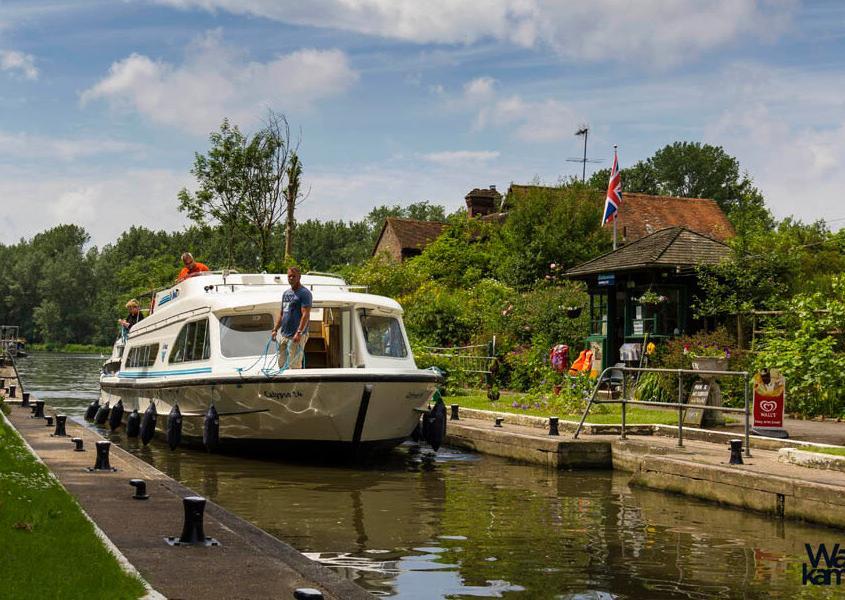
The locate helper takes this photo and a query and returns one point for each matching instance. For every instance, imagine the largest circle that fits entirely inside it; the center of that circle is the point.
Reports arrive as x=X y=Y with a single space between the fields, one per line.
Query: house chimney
x=482 y=202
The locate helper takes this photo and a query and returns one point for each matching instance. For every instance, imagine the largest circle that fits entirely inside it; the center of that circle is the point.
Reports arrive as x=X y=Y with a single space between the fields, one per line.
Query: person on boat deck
x=133 y=317
x=191 y=268
x=293 y=322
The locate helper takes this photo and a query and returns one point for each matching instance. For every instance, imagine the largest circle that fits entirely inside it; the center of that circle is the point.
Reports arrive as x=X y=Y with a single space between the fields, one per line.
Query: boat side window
x=244 y=335
x=383 y=335
x=141 y=356
x=192 y=343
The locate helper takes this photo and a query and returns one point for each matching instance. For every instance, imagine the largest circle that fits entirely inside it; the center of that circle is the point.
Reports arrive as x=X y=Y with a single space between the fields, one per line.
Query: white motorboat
x=207 y=343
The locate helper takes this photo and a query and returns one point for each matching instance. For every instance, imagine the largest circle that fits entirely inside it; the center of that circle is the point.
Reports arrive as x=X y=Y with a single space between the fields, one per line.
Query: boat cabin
x=225 y=321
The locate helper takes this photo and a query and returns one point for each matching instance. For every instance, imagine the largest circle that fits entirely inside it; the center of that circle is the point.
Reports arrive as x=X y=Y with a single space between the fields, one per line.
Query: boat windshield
x=245 y=335
x=383 y=336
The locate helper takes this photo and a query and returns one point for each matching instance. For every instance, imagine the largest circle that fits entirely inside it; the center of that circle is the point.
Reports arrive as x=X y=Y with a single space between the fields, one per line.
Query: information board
x=697 y=400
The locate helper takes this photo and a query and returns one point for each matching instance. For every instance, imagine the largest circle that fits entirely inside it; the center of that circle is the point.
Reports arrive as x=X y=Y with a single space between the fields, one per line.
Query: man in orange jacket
x=192 y=267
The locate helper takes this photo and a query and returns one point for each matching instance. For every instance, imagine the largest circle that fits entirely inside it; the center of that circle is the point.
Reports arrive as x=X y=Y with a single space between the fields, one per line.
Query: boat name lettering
x=415 y=395
x=283 y=395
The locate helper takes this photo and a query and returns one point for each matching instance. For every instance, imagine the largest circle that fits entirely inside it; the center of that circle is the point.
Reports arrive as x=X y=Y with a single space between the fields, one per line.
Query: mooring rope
x=266 y=369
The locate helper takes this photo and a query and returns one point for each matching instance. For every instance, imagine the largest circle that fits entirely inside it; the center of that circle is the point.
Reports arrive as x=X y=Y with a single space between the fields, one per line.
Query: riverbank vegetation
x=482 y=278
x=50 y=546
x=70 y=348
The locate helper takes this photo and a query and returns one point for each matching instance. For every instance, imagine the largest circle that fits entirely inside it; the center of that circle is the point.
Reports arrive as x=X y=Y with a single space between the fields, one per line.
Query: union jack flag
x=614 y=193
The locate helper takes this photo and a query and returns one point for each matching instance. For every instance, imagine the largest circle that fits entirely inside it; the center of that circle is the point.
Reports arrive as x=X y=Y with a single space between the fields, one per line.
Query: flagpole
x=614 y=229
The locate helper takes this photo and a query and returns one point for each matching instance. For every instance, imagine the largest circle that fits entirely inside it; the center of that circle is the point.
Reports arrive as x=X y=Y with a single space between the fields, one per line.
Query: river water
x=471 y=526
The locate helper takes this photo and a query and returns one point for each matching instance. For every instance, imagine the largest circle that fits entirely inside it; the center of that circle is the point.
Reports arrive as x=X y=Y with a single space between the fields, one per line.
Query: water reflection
x=414 y=525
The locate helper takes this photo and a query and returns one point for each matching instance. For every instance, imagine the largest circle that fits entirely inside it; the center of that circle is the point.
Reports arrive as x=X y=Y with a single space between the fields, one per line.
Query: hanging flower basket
x=651 y=298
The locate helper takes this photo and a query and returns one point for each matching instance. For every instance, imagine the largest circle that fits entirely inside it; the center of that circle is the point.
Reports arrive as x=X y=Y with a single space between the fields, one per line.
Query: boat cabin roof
x=241 y=292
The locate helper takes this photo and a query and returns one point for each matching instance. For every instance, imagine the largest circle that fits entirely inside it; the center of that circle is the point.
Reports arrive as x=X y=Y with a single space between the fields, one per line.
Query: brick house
x=405 y=238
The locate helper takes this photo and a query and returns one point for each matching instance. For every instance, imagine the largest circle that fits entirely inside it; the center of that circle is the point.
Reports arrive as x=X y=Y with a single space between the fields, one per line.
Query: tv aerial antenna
x=585 y=131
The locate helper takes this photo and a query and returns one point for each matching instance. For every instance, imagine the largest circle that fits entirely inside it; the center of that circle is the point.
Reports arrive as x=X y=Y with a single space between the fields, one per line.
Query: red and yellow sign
x=769 y=398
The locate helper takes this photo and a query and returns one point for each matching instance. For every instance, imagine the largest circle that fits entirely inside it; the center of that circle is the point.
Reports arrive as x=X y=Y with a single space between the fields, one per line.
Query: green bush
x=807 y=348
x=542 y=312
x=678 y=353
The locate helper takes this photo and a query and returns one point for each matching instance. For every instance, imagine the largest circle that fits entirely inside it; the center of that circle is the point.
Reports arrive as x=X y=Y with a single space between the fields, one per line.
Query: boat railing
x=140 y=328
x=343 y=286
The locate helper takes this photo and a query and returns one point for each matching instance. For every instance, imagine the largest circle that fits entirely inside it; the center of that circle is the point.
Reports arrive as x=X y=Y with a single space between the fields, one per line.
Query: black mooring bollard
x=192 y=530
x=79 y=444
x=91 y=411
x=307 y=594
x=49 y=419
x=553 y=429
x=32 y=408
x=499 y=421
x=2 y=383
x=60 y=426
x=133 y=424
x=455 y=409
x=102 y=462
x=102 y=415
x=12 y=390
x=116 y=416
x=38 y=412
x=25 y=399
x=736 y=452
x=140 y=489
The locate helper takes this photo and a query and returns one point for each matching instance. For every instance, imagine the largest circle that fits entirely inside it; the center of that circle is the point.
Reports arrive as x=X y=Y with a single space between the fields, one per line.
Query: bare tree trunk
x=289 y=225
x=291 y=195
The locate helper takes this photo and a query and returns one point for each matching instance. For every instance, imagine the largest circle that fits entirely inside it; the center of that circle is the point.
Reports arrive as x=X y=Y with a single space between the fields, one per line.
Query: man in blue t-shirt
x=293 y=322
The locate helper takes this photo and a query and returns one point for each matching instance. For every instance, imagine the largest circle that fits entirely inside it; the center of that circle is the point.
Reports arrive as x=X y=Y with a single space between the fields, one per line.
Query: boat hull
x=357 y=409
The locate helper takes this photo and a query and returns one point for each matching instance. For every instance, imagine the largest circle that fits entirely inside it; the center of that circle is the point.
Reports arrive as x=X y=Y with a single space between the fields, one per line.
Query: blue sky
x=102 y=103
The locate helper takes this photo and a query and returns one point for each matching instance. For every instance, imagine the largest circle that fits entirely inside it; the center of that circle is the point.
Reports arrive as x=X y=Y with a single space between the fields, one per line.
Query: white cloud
x=786 y=133
x=654 y=31
x=105 y=204
x=29 y=146
x=532 y=121
x=19 y=63
x=217 y=81
x=460 y=157
x=479 y=90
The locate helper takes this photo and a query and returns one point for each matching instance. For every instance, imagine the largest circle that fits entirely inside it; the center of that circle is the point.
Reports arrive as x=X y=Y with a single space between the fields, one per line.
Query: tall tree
x=242 y=183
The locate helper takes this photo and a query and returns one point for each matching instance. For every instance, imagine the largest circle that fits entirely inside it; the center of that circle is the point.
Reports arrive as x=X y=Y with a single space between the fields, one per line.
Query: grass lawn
x=599 y=414
x=833 y=451
x=49 y=548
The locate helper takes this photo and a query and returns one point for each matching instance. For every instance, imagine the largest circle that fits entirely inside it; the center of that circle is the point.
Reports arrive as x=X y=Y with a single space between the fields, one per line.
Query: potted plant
x=708 y=358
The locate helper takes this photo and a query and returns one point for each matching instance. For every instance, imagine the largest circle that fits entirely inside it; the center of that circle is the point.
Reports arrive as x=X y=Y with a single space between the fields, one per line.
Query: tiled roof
x=672 y=247
x=412 y=233
x=643 y=214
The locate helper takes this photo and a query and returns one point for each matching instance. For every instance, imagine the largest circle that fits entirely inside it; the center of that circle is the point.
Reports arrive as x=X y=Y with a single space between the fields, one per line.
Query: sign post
x=769 y=403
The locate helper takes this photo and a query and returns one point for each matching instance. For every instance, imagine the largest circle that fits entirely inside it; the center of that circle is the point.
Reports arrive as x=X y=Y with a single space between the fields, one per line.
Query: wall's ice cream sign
x=769 y=399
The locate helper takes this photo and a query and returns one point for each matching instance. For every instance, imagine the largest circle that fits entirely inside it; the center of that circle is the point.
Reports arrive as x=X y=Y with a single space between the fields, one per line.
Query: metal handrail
x=680 y=405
